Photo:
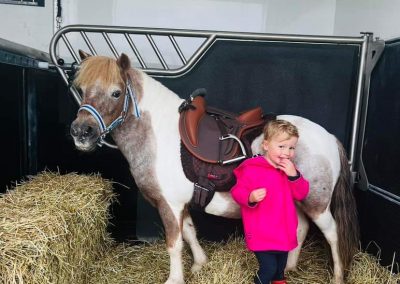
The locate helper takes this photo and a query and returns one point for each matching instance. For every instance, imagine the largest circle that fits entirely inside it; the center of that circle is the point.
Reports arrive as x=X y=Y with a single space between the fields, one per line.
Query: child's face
x=280 y=147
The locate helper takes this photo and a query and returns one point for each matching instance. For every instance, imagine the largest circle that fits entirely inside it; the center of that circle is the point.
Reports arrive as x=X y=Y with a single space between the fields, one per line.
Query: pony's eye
x=116 y=94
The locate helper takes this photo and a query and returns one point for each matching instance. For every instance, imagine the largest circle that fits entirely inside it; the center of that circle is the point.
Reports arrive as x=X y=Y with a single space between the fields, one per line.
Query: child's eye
x=292 y=148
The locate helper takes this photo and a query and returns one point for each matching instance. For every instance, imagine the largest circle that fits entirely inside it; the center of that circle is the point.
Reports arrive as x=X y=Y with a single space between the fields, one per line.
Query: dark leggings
x=271 y=266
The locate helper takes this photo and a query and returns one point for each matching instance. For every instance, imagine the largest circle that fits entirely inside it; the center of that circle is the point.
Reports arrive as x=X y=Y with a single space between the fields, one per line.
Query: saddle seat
x=213 y=135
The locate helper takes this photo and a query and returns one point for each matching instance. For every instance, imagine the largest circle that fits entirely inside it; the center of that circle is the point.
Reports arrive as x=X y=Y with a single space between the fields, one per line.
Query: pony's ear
x=83 y=54
x=124 y=62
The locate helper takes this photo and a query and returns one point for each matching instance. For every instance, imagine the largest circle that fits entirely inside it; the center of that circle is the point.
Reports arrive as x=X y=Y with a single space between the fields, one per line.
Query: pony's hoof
x=338 y=280
x=196 y=267
x=291 y=268
x=174 y=281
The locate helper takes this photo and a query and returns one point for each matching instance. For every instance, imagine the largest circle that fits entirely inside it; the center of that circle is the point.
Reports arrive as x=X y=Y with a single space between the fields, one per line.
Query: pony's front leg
x=171 y=217
x=302 y=230
x=189 y=235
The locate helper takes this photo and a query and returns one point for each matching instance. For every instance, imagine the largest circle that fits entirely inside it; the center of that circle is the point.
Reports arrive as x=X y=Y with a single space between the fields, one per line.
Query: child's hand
x=288 y=167
x=257 y=195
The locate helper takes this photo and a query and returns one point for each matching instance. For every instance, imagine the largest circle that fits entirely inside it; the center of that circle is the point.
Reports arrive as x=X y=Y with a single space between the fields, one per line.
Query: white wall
x=34 y=26
x=378 y=16
x=30 y=26
x=272 y=16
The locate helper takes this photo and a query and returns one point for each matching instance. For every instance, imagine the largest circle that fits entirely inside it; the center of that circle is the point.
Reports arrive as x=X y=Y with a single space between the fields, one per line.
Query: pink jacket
x=270 y=224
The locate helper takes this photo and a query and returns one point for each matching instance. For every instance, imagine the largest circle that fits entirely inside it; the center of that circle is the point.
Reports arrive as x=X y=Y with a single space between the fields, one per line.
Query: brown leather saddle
x=213 y=143
x=214 y=135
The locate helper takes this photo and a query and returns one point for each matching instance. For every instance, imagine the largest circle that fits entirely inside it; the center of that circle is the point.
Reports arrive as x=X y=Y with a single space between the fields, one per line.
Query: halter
x=130 y=94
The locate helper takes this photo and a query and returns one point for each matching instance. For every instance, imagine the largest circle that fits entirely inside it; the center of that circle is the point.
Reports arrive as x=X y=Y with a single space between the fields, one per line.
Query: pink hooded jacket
x=270 y=224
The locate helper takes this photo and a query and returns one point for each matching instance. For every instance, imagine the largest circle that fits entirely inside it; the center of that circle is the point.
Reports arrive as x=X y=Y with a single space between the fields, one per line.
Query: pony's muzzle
x=83 y=132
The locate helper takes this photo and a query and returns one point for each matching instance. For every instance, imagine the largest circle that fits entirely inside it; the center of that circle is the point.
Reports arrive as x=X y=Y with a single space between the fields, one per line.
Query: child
x=266 y=189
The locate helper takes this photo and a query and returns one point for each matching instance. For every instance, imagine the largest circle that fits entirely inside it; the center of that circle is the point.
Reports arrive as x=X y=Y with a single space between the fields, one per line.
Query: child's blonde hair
x=278 y=126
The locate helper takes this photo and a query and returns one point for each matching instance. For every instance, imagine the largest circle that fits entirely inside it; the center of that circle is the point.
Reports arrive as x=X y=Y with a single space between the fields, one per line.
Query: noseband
x=104 y=130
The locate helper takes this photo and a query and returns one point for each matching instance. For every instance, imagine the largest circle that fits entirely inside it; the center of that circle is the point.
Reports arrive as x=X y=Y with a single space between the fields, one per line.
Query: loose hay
x=53 y=230
x=52 y=227
x=229 y=263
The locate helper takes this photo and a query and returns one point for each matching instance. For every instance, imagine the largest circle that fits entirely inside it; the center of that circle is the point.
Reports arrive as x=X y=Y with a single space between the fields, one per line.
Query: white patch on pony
x=93 y=92
x=319 y=143
x=163 y=105
x=223 y=205
x=256 y=145
x=176 y=268
x=189 y=235
x=175 y=253
x=302 y=230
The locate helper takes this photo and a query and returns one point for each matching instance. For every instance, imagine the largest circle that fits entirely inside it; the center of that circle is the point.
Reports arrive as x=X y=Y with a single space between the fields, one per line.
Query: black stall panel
x=380 y=202
x=11 y=142
x=18 y=73
x=316 y=81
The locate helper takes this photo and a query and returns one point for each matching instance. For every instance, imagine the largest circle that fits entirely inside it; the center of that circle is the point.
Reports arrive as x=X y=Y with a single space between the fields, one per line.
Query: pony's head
x=106 y=92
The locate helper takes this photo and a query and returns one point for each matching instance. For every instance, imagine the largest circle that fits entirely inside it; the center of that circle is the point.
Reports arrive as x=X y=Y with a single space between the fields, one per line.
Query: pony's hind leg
x=172 y=217
x=189 y=235
x=302 y=230
x=327 y=225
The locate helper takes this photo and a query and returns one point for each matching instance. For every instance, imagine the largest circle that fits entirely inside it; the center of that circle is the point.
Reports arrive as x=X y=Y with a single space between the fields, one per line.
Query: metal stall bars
x=369 y=52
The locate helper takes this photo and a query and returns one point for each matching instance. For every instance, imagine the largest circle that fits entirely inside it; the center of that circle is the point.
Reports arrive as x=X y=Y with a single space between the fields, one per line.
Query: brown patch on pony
x=137 y=82
x=84 y=54
x=321 y=184
x=134 y=75
x=186 y=212
x=171 y=226
x=344 y=210
x=124 y=62
x=140 y=151
x=320 y=188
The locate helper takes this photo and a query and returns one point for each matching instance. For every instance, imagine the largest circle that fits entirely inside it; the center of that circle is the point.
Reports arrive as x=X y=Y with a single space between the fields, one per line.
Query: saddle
x=213 y=143
x=213 y=135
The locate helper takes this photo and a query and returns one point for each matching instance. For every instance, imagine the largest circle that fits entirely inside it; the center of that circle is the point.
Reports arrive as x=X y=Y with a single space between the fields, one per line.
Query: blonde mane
x=100 y=69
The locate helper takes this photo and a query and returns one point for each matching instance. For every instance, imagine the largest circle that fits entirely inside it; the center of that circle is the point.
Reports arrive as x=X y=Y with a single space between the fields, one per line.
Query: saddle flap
x=189 y=125
x=251 y=116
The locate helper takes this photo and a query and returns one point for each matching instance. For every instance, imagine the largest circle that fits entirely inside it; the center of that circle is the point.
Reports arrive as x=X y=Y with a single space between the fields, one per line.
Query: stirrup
x=243 y=156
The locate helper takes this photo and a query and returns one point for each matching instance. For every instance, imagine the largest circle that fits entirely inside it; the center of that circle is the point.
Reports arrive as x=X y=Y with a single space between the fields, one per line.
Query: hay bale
x=229 y=263
x=52 y=227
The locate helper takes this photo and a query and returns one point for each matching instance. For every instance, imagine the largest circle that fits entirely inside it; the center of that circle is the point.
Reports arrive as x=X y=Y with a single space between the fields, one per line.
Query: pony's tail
x=344 y=210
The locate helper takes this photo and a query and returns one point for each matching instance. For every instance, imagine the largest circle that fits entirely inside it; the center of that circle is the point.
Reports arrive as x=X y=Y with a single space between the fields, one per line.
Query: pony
x=142 y=116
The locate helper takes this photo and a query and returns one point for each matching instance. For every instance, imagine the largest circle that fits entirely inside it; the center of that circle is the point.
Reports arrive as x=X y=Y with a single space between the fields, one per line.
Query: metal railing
x=370 y=50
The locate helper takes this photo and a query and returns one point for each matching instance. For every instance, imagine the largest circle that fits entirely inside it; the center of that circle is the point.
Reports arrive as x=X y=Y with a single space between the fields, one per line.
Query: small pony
x=142 y=117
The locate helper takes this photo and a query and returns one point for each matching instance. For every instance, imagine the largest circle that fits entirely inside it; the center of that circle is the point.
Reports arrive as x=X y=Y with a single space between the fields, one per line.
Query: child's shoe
x=279 y=281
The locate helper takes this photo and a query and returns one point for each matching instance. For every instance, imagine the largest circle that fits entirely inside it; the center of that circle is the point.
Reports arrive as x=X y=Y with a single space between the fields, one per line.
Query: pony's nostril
x=73 y=131
x=88 y=131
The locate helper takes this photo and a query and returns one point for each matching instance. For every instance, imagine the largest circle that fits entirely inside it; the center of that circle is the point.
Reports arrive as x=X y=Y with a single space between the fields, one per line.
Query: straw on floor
x=229 y=263
x=53 y=230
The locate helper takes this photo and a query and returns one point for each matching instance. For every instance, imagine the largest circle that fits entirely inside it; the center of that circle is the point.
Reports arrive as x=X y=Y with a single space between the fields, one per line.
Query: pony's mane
x=100 y=69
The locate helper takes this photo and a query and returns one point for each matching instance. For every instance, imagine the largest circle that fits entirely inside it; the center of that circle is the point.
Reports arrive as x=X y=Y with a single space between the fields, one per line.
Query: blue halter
x=104 y=130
